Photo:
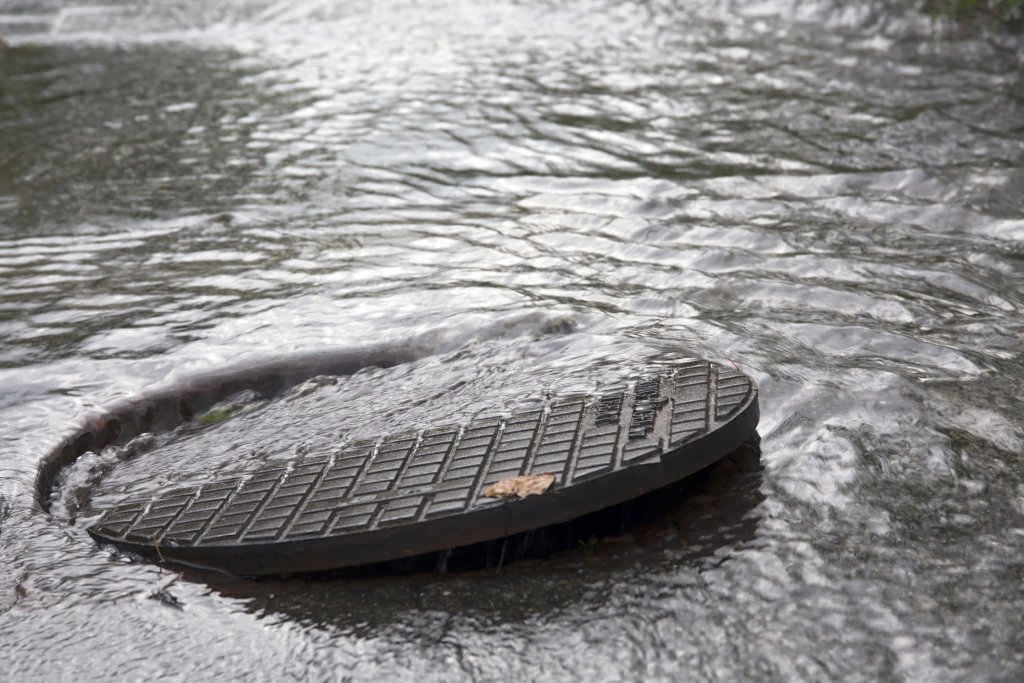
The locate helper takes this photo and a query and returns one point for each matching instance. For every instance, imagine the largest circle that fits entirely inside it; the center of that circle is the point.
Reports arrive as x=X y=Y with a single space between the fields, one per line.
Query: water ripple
x=513 y=196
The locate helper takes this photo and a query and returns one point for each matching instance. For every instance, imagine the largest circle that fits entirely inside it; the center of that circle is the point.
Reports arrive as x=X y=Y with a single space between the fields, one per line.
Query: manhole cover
x=410 y=493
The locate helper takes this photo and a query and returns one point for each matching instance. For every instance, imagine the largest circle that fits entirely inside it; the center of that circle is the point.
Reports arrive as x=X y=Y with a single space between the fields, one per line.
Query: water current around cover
x=509 y=197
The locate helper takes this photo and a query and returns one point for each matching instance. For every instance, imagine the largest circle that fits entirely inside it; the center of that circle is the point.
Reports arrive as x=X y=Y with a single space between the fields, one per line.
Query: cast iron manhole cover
x=410 y=493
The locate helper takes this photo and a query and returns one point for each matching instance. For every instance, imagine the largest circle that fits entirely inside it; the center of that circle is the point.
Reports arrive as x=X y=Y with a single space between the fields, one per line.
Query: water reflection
x=531 y=194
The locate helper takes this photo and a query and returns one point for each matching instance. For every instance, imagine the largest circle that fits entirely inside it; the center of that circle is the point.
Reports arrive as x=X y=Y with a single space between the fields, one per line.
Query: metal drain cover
x=410 y=493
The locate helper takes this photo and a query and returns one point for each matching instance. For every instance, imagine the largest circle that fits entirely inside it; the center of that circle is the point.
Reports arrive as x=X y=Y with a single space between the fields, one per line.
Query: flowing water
x=506 y=198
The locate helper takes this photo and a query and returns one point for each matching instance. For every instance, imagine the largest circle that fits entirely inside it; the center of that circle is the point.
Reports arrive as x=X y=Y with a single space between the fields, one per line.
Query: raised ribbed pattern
x=408 y=477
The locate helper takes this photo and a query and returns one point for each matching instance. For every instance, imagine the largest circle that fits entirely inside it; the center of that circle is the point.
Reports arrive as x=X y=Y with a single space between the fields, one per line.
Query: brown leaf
x=520 y=487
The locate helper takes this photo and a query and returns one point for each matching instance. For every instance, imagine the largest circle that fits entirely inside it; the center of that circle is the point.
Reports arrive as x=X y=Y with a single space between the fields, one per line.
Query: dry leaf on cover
x=520 y=487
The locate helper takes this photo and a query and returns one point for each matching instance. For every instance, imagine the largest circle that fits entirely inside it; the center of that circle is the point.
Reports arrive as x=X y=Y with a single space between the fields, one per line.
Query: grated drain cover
x=410 y=493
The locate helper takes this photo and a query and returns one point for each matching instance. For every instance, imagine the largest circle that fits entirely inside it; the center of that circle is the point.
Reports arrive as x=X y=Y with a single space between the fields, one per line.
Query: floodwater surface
x=515 y=200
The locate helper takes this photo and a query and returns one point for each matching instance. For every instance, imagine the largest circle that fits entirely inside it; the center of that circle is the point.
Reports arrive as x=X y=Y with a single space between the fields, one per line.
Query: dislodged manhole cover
x=410 y=493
